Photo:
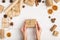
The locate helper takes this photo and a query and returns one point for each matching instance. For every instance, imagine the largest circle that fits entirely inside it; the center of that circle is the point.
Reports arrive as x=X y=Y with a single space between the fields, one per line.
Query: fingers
x=37 y=26
x=23 y=28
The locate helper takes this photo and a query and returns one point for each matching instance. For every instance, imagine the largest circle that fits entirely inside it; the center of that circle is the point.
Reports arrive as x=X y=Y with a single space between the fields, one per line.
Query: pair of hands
x=38 y=31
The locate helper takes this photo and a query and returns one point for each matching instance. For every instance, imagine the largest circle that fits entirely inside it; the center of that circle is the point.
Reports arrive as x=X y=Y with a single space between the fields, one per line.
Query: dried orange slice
x=8 y=34
x=50 y=11
x=54 y=7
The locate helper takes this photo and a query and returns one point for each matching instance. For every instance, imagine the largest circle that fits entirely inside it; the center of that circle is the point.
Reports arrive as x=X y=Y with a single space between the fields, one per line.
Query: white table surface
x=40 y=14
